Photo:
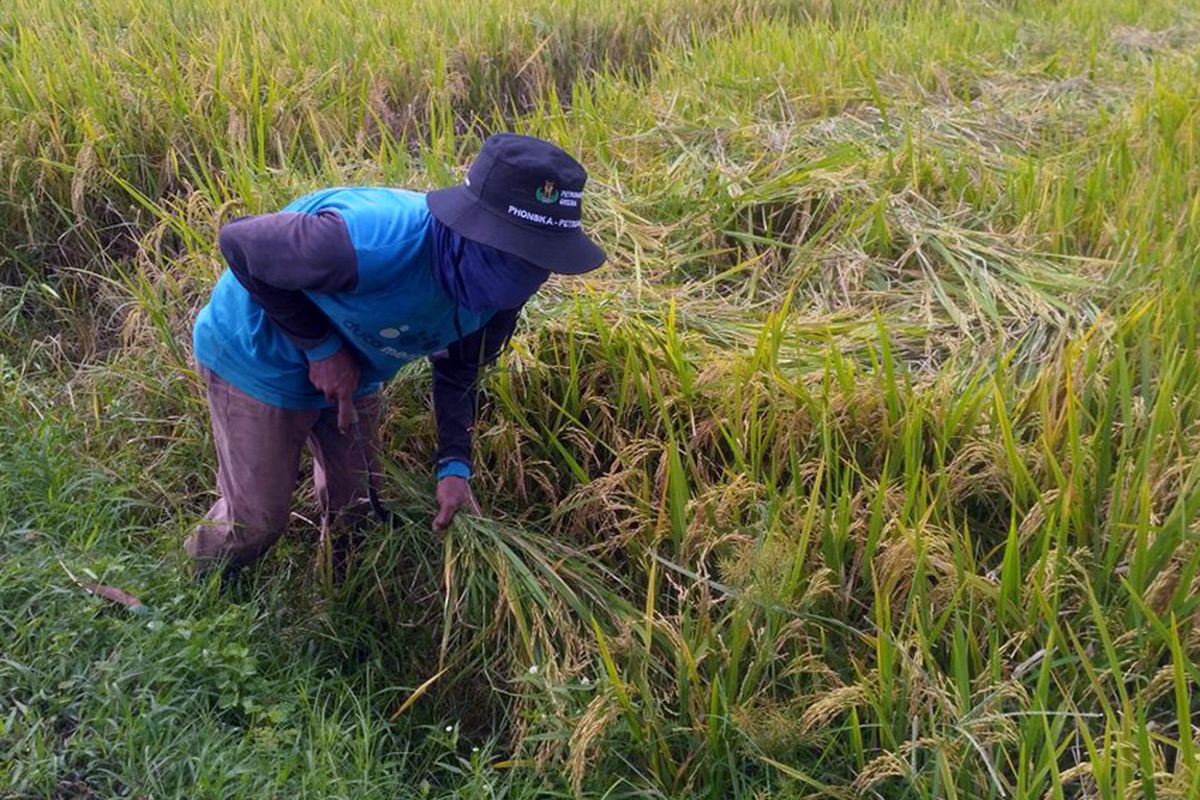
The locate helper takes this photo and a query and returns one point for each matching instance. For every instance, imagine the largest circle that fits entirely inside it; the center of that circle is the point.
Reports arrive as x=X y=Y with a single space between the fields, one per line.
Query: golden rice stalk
x=1162 y=588
x=600 y=712
x=830 y=704
x=888 y=765
x=898 y=562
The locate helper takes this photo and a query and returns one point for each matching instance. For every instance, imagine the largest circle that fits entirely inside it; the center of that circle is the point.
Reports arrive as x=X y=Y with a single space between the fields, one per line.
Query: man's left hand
x=453 y=495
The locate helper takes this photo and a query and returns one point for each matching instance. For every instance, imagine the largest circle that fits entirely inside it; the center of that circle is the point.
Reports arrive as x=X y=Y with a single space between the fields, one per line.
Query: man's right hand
x=453 y=495
x=336 y=377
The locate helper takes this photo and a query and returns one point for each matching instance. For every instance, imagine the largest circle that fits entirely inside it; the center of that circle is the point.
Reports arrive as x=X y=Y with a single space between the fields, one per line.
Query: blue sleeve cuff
x=459 y=469
x=324 y=348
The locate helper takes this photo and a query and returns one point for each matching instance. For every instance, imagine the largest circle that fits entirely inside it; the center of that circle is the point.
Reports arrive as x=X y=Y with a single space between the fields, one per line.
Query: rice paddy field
x=866 y=468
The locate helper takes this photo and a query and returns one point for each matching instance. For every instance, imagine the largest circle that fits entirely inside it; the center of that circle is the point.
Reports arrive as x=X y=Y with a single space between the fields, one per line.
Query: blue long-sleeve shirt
x=345 y=268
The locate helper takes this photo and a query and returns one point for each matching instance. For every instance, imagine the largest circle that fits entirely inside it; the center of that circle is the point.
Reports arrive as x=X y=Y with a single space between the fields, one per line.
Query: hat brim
x=565 y=253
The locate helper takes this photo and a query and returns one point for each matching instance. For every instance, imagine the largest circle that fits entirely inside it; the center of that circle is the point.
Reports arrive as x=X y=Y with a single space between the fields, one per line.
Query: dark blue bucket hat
x=523 y=196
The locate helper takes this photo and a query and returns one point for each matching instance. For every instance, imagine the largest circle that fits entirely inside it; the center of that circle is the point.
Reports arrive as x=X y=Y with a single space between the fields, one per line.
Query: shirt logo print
x=413 y=343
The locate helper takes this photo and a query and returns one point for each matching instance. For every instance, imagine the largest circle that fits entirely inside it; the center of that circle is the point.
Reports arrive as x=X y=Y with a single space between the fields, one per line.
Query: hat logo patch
x=546 y=193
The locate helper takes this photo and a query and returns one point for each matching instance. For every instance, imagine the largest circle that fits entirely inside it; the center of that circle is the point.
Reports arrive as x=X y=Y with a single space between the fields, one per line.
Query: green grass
x=867 y=468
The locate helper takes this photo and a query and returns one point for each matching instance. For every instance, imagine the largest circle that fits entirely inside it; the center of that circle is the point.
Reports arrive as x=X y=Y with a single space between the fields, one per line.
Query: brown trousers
x=258 y=463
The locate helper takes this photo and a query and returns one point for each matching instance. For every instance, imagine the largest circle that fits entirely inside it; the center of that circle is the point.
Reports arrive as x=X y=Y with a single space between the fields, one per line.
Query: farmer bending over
x=327 y=299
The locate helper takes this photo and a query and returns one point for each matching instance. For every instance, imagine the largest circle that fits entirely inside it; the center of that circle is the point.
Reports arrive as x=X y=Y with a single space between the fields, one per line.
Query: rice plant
x=867 y=468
